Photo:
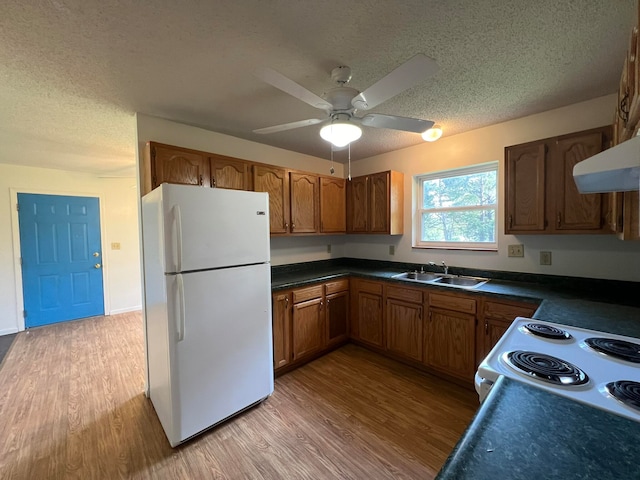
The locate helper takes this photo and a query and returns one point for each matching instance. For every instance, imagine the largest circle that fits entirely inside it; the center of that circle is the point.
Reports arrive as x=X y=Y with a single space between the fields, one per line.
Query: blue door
x=61 y=258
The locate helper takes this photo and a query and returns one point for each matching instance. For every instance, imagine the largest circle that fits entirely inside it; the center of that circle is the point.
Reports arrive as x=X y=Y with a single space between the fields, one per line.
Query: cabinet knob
x=559 y=219
x=213 y=181
x=510 y=221
x=486 y=327
x=293 y=225
x=201 y=182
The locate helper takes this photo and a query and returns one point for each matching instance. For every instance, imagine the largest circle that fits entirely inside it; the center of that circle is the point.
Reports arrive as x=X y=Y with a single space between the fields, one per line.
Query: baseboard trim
x=116 y=311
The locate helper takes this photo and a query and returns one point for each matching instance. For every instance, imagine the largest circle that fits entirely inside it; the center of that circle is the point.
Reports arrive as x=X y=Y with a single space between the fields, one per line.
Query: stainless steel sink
x=442 y=279
x=418 y=276
x=466 y=282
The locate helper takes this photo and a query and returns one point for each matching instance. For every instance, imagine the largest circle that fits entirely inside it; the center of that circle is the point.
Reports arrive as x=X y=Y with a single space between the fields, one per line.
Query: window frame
x=419 y=210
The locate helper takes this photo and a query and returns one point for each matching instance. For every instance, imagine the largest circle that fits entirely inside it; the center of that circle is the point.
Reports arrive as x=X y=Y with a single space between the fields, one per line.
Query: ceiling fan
x=343 y=102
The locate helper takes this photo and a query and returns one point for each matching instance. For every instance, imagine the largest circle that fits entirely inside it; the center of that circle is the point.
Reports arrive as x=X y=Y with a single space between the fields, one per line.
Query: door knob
x=97 y=265
x=96 y=254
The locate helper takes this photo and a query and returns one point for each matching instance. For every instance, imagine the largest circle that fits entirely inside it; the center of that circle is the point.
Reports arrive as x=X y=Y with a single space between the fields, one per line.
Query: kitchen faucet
x=444 y=267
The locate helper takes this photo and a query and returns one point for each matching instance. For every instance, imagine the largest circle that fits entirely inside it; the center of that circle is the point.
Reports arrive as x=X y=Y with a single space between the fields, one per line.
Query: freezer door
x=204 y=228
x=222 y=354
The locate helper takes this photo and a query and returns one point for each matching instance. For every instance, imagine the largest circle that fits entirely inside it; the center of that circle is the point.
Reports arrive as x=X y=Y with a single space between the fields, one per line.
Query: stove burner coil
x=626 y=392
x=547 y=331
x=616 y=348
x=547 y=368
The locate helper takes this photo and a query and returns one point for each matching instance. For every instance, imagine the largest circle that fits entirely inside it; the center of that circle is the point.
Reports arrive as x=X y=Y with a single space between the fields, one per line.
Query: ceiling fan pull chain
x=331 y=170
x=349 y=177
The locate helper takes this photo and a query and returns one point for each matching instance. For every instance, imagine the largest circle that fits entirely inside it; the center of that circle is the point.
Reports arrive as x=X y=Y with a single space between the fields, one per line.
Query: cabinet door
x=275 y=182
x=450 y=345
x=332 y=205
x=357 y=205
x=174 y=165
x=308 y=328
x=404 y=329
x=573 y=210
x=496 y=318
x=525 y=188
x=304 y=203
x=370 y=318
x=229 y=173
x=631 y=221
x=379 y=203
x=337 y=317
x=281 y=329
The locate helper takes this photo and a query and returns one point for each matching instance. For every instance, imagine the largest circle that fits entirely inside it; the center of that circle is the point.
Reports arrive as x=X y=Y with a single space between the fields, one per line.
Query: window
x=457 y=208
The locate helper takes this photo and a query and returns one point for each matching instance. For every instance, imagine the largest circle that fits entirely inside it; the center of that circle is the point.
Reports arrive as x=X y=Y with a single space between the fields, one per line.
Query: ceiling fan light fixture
x=340 y=133
x=433 y=134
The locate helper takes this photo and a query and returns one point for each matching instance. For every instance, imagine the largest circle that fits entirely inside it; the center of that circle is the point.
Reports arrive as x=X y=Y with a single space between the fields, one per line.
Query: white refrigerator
x=207 y=281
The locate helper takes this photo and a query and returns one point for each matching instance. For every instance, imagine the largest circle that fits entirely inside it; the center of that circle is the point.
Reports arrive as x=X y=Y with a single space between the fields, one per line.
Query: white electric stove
x=597 y=368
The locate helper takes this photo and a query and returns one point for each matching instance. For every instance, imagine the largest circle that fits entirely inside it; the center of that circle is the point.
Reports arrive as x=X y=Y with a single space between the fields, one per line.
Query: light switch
x=115 y=245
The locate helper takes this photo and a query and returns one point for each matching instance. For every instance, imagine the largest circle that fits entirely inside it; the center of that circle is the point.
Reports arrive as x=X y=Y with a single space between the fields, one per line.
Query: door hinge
x=24 y=314
x=20 y=261
x=18 y=207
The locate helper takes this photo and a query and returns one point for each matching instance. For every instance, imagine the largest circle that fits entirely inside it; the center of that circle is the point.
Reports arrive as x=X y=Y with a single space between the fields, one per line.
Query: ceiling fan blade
x=288 y=126
x=394 y=122
x=287 y=85
x=405 y=76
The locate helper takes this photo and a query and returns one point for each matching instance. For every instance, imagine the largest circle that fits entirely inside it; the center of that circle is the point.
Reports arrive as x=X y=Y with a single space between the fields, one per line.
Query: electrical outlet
x=115 y=245
x=545 y=258
x=392 y=249
x=516 y=250
x=329 y=248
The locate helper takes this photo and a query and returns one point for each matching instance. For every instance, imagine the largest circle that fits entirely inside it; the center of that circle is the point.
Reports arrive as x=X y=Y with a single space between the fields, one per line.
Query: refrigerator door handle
x=181 y=308
x=177 y=215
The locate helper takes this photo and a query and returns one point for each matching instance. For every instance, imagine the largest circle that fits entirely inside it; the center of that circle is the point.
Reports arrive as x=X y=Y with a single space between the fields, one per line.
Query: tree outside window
x=457 y=208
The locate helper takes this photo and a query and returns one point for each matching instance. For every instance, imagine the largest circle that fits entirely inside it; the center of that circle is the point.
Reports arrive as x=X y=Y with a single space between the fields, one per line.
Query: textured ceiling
x=74 y=72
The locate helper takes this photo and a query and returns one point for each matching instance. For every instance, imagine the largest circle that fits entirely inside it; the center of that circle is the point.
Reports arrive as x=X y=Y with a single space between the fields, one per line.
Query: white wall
x=285 y=249
x=594 y=256
x=119 y=223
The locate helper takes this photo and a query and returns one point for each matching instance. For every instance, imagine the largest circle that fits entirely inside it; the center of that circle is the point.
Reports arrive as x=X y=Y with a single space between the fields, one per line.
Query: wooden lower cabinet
x=450 y=345
x=367 y=321
x=309 y=321
x=308 y=328
x=404 y=322
x=281 y=329
x=337 y=317
x=447 y=333
x=494 y=319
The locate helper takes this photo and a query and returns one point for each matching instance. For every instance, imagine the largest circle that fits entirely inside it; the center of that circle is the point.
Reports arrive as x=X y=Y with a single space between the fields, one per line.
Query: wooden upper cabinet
x=525 y=185
x=305 y=199
x=232 y=173
x=357 y=205
x=375 y=204
x=541 y=195
x=274 y=181
x=167 y=164
x=333 y=202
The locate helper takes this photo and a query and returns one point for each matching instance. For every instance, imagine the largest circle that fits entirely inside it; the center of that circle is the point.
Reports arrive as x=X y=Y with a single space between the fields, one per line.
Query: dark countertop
x=509 y=439
x=522 y=433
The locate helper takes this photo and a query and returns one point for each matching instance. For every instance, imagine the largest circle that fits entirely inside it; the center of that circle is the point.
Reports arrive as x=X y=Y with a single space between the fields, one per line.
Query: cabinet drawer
x=449 y=302
x=406 y=294
x=337 y=286
x=502 y=311
x=370 y=287
x=307 y=293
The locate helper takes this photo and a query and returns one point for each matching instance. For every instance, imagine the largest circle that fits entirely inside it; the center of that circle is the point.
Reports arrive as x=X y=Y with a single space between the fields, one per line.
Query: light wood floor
x=71 y=406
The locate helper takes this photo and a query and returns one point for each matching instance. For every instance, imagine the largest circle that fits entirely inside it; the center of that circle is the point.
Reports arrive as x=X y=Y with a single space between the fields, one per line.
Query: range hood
x=614 y=170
